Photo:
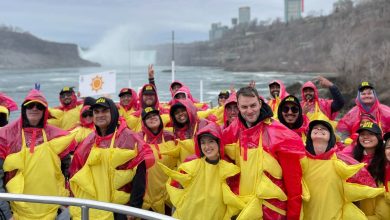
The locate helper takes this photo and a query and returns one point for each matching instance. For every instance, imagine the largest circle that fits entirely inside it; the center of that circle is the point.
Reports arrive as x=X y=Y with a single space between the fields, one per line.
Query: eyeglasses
x=294 y=109
x=39 y=106
x=66 y=94
x=87 y=113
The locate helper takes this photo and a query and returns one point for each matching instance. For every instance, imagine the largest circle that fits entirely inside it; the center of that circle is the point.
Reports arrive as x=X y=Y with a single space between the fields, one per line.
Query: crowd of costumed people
x=247 y=158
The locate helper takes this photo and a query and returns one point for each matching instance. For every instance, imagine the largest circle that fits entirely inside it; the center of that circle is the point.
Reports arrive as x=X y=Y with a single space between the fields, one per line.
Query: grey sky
x=88 y=22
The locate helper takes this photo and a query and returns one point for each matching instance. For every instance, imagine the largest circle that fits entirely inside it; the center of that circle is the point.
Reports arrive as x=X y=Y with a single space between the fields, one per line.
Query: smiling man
x=115 y=149
x=253 y=131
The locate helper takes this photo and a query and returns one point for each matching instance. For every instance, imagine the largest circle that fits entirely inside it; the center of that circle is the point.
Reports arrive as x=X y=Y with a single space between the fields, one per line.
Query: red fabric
x=325 y=105
x=133 y=103
x=8 y=102
x=351 y=121
x=282 y=94
x=72 y=104
x=187 y=92
x=213 y=129
x=232 y=99
x=387 y=176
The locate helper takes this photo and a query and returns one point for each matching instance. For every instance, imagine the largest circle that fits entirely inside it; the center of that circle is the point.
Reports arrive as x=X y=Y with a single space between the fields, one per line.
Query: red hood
x=150 y=137
x=36 y=95
x=283 y=93
x=141 y=104
x=186 y=90
x=134 y=102
x=309 y=84
x=174 y=82
x=192 y=115
x=82 y=120
x=213 y=129
x=232 y=99
x=72 y=104
x=8 y=102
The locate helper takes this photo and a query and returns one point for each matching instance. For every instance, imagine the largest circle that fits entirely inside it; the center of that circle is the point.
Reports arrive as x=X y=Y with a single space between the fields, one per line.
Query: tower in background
x=293 y=9
x=244 y=15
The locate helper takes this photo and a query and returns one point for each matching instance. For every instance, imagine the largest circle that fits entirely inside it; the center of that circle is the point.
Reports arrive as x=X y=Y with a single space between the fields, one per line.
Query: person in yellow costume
x=110 y=164
x=199 y=189
x=156 y=196
x=128 y=102
x=325 y=177
x=371 y=150
x=67 y=115
x=32 y=151
x=85 y=126
x=277 y=90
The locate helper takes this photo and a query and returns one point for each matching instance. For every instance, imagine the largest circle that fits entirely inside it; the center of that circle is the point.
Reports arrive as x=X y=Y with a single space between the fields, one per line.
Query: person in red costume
x=230 y=111
x=366 y=103
x=110 y=143
x=128 y=101
x=184 y=93
x=32 y=133
x=255 y=128
x=313 y=106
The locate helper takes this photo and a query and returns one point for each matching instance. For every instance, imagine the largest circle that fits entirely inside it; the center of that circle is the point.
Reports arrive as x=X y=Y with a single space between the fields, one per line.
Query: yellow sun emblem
x=97 y=83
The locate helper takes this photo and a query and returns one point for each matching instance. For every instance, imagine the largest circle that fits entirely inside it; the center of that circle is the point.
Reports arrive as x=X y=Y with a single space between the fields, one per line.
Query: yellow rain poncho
x=331 y=196
x=99 y=179
x=65 y=119
x=38 y=173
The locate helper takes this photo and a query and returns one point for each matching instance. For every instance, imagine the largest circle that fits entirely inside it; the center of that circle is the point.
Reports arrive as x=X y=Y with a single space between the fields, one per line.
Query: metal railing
x=85 y=205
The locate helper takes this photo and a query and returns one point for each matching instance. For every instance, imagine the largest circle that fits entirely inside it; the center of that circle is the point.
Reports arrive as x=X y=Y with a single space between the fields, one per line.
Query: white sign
x=97 y=84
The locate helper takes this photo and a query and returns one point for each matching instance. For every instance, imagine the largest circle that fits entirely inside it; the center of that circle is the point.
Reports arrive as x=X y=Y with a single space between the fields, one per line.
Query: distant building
x=217 y=31
x=244 y=15
x=292 y=10
x=342 y=5
x=234 y=21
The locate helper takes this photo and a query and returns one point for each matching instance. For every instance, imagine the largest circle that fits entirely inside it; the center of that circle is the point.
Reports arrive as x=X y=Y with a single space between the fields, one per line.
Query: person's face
x=175 y=87
x=387 y=150
x=222 y=99
x=290 y=112
x=152 y=121
x=125 y=99
x=320 y=133
x=149 y=100
x=87 y=116
x=308 y=93
x=180 y=96
x=66 y=98
x=249 y=108
x=368 y=140
x=102 y=117
x=231 y=111
x=181 y=115
x=367 y=96
x=274 y=90
x=34 y=113
x=209 y=147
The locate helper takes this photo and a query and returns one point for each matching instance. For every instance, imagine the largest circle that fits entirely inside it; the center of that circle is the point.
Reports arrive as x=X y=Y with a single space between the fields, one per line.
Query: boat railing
x=85 y=205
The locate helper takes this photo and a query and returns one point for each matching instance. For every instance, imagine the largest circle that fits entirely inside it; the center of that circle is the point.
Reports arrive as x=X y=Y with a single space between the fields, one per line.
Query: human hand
x=324 y=82
x=307 y=107
x=150 y=71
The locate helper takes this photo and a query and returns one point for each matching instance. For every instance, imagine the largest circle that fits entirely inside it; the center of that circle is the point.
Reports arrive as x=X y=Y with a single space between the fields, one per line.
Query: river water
x=17 y=83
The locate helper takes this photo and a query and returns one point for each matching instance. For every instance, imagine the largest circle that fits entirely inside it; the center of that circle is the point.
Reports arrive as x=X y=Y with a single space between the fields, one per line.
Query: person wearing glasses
x=84 y=127
x=35 y=159
x=290 y=114
x=66 y=116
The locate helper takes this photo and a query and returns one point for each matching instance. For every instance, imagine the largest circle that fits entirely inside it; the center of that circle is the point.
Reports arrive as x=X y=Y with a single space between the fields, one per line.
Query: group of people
x=247 y=158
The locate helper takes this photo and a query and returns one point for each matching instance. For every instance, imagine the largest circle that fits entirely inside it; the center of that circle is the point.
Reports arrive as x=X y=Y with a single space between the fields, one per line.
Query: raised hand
x=150 y=71
x=324 y=82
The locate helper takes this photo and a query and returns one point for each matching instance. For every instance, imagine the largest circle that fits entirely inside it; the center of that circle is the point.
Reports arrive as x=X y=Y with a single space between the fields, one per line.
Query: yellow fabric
x=65 y=119
x=187 y=148
x=317 y=114
x=124 y=113
x=255 y=186
x=331 y=196
x=135 y=123
x=156 y=194
x=38 y=173
x=81 y=133
x=4 y=110
x=99 y=179
x=376 y=208
x=274 y=104
x=205 y=193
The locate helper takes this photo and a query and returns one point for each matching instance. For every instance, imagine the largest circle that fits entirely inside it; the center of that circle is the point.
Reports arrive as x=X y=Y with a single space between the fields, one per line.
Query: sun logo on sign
x=97 y=83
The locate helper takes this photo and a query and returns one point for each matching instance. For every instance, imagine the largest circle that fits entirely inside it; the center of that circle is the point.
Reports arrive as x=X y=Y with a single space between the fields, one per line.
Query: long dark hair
x=377 y=164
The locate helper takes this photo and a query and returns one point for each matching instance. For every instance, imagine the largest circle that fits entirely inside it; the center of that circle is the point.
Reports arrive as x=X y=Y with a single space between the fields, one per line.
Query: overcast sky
x=88 y=22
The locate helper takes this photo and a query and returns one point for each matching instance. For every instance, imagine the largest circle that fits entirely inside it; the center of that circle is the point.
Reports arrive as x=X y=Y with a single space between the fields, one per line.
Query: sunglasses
x=35 y=104
x=87 y=113
x=294 y=109
x=66 y=94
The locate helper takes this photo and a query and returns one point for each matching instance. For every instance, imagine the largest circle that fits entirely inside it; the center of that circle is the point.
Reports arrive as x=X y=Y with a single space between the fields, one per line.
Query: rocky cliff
x=21 y=50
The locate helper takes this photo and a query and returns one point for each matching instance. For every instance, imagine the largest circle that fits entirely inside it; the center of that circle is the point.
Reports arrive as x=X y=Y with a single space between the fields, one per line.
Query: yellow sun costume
x=65 y=119
x=38 y=173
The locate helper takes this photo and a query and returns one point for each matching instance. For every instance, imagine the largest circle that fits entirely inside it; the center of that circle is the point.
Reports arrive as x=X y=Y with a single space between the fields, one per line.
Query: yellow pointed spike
x=355 y=192
x=346 y=171
x=268 y=190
